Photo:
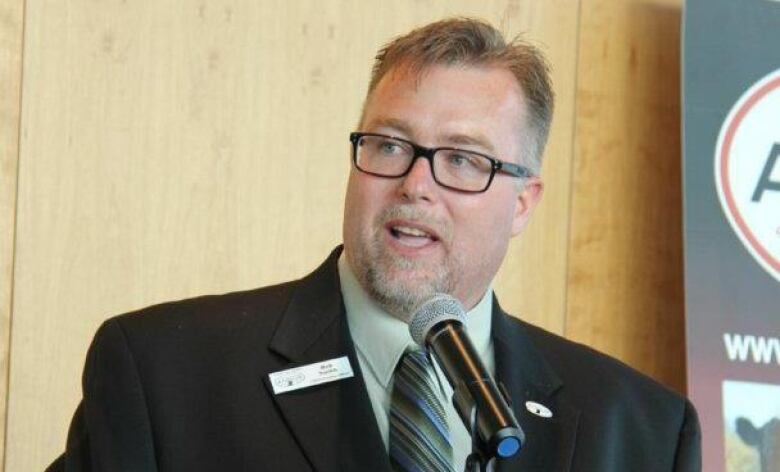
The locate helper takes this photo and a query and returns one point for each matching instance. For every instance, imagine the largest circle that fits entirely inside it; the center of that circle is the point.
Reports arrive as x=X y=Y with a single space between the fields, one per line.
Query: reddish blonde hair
x=468 y=41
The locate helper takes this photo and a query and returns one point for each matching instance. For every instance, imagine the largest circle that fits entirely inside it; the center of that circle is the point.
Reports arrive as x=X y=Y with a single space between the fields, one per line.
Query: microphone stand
x=464 y=404
x=477 y=461
x=479 y=458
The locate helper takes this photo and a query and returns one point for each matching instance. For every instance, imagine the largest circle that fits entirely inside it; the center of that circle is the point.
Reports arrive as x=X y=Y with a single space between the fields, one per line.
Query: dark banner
x=731 y=139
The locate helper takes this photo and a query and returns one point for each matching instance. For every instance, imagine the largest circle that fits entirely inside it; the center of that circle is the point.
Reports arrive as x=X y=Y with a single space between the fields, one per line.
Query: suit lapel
x=549 y=442
x=333 y=423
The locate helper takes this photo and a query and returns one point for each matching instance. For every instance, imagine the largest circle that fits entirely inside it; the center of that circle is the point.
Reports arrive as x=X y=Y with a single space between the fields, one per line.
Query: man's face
x=408 y=238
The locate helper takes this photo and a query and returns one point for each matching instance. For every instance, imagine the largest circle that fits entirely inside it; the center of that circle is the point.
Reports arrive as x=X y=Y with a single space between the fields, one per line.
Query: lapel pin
x=538 y=409
x=310 y=375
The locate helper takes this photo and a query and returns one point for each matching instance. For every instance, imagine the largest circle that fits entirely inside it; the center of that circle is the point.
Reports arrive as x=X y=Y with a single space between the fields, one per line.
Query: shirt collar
x=382 y=338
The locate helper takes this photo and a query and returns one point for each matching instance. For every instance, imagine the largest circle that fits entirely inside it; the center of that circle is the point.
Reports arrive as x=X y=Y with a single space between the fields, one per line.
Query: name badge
x=310 y=375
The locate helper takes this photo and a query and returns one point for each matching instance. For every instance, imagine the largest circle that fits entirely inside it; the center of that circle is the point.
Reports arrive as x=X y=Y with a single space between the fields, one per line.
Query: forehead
x=443 y=100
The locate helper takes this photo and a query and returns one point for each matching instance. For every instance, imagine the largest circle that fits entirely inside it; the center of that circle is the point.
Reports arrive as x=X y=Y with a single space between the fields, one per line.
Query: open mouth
x=413 y=236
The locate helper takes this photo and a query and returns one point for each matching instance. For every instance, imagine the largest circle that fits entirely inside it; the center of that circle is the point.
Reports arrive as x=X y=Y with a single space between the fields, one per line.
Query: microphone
x=438 y=324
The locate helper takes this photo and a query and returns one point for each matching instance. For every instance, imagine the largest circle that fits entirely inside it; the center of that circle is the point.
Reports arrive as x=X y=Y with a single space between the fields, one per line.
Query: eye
x=458 y=160
x=463 y=162
x=389 y=147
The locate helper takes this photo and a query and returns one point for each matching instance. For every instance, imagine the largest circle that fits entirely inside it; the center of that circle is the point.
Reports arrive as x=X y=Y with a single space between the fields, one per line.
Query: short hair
x=468 y=41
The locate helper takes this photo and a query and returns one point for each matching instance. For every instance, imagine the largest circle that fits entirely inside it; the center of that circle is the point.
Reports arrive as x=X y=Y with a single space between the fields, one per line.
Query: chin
x=400 y=291
x=399 y=283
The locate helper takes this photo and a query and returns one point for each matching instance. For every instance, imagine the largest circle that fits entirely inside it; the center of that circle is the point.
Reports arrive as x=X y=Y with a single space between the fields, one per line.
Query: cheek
x=360 y=205
x=351 y=210
x=480 y=228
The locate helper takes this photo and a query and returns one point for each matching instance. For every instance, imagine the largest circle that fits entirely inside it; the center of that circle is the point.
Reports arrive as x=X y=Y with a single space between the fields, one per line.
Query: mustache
x=417 y=215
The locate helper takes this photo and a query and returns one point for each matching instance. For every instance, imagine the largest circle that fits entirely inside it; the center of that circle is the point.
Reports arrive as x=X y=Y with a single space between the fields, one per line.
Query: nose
x=418 y=184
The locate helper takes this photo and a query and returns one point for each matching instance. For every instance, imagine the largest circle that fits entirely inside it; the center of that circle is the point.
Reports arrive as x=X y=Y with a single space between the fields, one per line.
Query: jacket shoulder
x=652 y=423
x=205 y=325
x=583 y=368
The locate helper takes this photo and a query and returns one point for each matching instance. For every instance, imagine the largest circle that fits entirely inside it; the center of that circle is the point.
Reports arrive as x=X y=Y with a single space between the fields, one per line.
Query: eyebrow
x=393 y=123
x=469 y=140
x=454 y=139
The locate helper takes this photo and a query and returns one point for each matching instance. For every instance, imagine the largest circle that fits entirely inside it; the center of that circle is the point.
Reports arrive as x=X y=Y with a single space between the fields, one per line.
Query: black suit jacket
x=184 y=387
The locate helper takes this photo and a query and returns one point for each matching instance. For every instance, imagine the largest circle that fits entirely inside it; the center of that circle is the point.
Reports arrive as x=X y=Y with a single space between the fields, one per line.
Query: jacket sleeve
x=111 y=430
x=688 y=457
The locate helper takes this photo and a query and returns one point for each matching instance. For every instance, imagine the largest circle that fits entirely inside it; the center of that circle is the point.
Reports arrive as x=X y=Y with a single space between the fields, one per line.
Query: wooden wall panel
x=11 y=21
x=532 y=281
x=171 y=149
x=625 y=254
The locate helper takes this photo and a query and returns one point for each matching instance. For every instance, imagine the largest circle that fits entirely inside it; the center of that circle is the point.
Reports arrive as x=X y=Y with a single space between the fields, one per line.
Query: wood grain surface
x=625 y=290
x=11 y=33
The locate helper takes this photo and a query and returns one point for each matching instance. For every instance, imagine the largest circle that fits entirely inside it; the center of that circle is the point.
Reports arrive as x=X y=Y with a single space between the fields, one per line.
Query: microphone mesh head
x=438 y=308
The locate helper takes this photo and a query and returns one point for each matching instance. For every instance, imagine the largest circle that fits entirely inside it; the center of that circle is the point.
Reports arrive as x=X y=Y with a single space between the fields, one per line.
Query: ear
x=527 y=199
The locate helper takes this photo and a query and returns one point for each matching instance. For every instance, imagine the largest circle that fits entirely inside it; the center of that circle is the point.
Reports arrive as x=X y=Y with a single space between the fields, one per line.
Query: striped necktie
x=419 y=435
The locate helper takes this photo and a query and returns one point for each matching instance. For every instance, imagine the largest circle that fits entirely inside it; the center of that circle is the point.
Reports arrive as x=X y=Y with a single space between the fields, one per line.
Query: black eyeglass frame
x=496 y=165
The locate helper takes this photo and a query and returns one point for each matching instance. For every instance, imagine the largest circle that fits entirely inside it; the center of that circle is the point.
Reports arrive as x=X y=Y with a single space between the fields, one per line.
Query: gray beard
x=373 y=268
x=398 y=299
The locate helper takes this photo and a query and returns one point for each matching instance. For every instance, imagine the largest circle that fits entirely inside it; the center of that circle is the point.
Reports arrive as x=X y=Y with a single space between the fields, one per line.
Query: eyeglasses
x=452 y=168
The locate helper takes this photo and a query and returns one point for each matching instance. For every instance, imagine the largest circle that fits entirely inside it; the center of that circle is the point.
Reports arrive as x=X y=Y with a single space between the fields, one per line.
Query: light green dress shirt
x=380 y=341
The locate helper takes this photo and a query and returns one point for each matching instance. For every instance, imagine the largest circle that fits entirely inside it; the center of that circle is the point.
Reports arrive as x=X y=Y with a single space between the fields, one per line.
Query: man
x=445 y=171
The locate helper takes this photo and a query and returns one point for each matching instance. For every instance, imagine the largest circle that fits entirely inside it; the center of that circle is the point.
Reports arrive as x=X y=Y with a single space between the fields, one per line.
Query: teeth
x=410 y=231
